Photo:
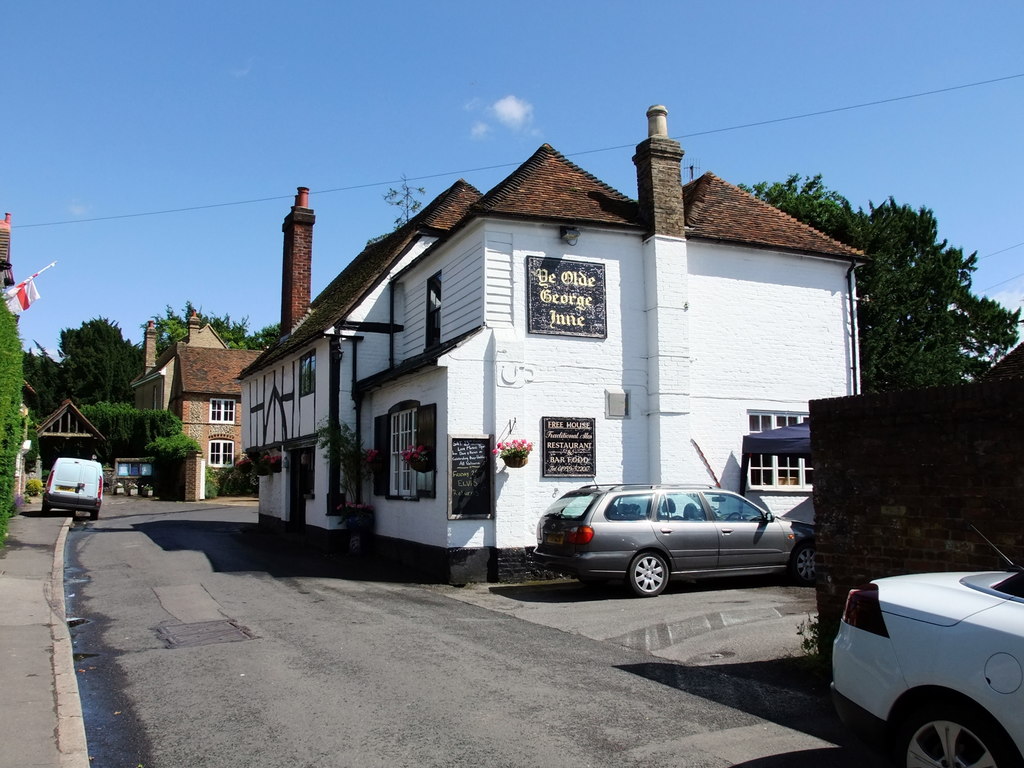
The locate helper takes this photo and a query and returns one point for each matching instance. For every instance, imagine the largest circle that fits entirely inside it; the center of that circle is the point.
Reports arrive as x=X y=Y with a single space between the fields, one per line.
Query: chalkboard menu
x=471 y=490
x=568 y=446
x=566 y=298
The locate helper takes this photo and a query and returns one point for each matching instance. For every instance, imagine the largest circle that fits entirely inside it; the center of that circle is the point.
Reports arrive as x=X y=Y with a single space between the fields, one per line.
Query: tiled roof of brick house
x=1010 y=367
x=718 y=210
x=213 y=371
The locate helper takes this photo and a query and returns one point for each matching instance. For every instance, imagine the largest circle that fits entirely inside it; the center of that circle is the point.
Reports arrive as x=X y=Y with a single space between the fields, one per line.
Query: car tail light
x=864 y=611
x=583 y=534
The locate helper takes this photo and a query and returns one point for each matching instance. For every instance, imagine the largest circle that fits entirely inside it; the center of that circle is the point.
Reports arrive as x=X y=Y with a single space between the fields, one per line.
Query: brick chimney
x=658 y=178
x=6 y=270
x=296 y=274
x=149 y=346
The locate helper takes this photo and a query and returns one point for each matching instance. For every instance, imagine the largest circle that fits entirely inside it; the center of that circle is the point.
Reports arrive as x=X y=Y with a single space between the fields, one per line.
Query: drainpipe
x=391 y=324
x=851 y=282
x=333 y=419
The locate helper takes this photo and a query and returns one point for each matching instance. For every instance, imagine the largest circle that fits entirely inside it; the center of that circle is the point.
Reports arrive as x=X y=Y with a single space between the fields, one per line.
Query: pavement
x=41 y=724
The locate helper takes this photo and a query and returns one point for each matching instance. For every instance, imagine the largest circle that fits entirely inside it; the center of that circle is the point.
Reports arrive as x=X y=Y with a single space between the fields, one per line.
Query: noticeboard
x=568 y=444
x=470 y=477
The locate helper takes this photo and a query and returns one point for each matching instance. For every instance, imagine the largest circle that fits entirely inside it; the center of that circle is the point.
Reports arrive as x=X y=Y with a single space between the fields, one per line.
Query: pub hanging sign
x=566 y=298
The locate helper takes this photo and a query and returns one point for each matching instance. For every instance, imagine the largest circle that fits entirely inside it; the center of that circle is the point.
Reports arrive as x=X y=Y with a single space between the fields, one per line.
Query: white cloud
x=242 y=71
x=513 y=112
x=479 y=130
x=76 y=208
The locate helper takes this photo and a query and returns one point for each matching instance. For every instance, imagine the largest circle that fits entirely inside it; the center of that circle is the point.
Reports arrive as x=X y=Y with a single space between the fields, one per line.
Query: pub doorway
x=301 y=487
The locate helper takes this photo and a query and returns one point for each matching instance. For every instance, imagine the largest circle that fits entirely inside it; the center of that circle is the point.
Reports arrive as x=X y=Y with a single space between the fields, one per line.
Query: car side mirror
x=769 y=517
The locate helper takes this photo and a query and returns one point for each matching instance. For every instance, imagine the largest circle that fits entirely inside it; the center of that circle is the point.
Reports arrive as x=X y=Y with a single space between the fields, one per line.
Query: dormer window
x=434 y=311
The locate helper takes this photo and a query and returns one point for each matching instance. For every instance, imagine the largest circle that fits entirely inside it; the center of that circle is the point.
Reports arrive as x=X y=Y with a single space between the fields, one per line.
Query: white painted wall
x=699 y=334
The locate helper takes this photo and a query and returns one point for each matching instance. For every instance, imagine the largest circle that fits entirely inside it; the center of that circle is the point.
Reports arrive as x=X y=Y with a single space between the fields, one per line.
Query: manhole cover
x=203 y=633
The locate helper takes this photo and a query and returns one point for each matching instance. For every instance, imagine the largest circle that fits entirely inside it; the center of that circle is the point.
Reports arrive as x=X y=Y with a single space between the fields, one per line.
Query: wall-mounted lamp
x=570 y=235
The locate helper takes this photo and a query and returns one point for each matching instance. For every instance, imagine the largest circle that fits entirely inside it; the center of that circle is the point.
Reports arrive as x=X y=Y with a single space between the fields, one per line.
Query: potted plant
x=358 y=516
x=418 y=457
x=341 y=444
x=515 y=453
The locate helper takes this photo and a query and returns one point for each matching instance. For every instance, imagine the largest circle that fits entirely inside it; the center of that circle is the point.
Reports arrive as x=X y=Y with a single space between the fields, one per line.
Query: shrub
x=238 y=481
x=34 y=487
x=212 y=482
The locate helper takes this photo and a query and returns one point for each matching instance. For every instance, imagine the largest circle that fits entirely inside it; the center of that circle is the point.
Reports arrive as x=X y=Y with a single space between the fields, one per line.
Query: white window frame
x=401 y=434
x=772 y=472
x=219 y=407
x=216 y=452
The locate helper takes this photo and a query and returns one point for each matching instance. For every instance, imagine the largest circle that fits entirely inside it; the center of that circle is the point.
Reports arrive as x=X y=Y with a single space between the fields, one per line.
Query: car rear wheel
x=648 y=574
x=951 y=735
x=801 y=564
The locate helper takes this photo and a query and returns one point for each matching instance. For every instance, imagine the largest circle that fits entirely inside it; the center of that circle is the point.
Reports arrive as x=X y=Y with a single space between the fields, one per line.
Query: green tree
x=920 y=325
x=404 y=198
x=98 y=364
x=173 y=327
x=46 y=378
x=11 y=419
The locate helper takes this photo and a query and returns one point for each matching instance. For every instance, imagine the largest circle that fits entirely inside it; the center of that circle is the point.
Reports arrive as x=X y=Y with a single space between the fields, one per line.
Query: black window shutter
x=382 y=444
x=426 y=435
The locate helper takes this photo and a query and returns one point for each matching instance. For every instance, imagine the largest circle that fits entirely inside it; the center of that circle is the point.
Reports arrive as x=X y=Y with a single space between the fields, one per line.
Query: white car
x=928 y=668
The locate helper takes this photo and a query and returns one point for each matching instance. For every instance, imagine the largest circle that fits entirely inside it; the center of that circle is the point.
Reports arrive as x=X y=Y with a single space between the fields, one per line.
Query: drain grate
x=203 y=633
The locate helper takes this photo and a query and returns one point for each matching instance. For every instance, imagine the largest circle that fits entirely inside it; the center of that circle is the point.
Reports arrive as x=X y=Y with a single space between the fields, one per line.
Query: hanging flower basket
x=419 y=458
x=419 y=465
x=515 y=453
x=269 y=463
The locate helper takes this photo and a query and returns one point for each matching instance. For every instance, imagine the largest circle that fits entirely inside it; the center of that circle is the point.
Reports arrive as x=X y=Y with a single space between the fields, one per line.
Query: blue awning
x=794 y=440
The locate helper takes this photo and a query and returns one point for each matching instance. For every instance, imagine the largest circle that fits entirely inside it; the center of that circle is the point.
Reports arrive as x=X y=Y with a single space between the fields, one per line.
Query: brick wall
x=898 y=476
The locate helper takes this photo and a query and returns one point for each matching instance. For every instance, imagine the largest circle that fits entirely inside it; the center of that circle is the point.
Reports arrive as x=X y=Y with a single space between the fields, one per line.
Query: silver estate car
x=649 y=534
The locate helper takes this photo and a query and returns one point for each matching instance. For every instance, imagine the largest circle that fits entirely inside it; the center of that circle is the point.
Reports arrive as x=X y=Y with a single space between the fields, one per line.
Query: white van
x=74 y=484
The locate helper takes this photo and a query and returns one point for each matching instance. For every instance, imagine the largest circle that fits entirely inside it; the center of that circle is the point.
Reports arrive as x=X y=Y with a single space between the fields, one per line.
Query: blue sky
x=115 y=112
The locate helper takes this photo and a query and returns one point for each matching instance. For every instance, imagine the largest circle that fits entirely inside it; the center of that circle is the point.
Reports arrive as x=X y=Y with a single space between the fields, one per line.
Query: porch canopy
x=794 y=440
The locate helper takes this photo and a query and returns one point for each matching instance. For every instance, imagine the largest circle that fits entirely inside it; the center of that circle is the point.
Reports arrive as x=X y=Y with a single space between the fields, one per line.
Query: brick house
x=629 y=340
x=197 y=380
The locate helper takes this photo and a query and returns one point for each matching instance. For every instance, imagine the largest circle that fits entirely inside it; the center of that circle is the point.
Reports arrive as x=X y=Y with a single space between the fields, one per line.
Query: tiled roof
x=718 y=210
x=551 y=187
x=1010 y=367
x=368 y=268
x=212 y=371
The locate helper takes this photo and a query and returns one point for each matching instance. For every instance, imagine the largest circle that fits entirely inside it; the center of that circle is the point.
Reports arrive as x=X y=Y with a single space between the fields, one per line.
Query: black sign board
x=568 y=445
x=566 y=298
x=471 y=472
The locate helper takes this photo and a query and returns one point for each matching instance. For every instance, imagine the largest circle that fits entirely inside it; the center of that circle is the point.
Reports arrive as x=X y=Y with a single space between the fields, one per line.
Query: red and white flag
x=21 y=296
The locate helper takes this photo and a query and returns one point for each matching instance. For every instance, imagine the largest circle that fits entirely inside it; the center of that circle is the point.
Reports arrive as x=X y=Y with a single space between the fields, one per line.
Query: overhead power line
x=352 y=187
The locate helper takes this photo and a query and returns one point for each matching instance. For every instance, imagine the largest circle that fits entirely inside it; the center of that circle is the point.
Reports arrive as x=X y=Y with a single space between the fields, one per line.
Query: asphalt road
x=203 y=642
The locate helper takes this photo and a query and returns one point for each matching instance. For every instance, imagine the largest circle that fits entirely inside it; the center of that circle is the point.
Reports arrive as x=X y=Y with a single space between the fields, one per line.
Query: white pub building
x=630 y=341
